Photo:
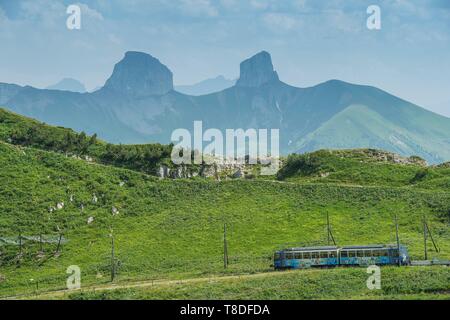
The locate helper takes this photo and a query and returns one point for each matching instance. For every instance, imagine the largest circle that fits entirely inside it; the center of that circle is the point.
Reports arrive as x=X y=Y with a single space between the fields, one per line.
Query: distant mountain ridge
x=68 y=84
x=207 y=86
x=138 y=104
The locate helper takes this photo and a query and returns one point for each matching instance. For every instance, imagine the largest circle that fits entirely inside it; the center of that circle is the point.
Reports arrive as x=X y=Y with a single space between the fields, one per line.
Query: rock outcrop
x=256 y=71
x=139 y=75
x=380 y=156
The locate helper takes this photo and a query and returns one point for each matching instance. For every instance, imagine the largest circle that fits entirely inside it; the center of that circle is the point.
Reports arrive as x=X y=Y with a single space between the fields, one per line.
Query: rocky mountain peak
x=139 y=74
x=257 y=71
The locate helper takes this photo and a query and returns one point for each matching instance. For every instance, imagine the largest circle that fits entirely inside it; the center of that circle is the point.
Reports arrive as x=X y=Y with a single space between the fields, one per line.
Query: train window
x=314 y=255
x=298 y=255
x=277 y=256
x=360 y=253
x=306 y=255
x=344 y=254
x=332 y=254
x=352 y=254
x=324 y=255
x=395 y=253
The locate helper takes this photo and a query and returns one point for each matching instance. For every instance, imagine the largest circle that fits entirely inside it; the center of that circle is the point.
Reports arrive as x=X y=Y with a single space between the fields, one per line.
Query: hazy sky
x=311 y=41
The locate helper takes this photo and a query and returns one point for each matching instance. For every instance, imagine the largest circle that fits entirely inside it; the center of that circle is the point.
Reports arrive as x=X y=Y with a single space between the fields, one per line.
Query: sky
x=311 y=41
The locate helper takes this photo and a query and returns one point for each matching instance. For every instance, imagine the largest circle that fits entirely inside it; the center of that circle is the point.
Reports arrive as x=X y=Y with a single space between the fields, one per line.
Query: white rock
x=114 y=211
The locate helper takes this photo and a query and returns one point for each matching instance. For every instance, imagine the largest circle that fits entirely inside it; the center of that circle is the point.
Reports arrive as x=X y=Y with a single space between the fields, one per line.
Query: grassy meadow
x=173 y=229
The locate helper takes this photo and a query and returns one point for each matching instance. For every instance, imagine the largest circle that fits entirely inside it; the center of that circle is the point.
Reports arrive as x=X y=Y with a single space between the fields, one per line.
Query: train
x=333 y=256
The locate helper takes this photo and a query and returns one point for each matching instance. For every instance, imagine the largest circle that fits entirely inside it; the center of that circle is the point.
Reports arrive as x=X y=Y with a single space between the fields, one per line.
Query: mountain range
x=68 y=84
x=138 y=104
x=207 y=86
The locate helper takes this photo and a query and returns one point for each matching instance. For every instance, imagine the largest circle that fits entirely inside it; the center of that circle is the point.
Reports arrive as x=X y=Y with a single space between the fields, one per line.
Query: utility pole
x=225 y=247
x=20 y=243
x=59 y=243
x=398 y=239
x=40 y=243
x=427 y=232
x=330 y=236
x=328 y=228
x=425 y=238
x=113 y=262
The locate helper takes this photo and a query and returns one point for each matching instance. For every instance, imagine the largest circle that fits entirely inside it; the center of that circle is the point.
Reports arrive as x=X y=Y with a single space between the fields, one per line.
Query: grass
x=172 y=229
x=396 y=283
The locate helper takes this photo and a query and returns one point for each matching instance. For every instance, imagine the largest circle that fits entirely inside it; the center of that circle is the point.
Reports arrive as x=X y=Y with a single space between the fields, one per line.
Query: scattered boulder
x=207 y=171
x=60 y=205
x=114 y=211
x=161 y=172
x=90 y=220
x=238 y=174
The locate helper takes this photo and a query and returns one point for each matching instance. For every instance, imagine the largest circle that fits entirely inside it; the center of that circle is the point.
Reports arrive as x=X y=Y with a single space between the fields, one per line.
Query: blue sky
x=311 y=41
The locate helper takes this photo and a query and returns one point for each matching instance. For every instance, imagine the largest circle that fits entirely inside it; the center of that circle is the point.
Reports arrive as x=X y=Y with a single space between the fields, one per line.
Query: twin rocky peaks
x=138 y=104
x=139 y=74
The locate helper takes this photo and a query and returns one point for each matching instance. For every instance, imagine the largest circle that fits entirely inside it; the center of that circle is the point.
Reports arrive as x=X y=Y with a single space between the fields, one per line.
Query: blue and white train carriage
x=331 y=256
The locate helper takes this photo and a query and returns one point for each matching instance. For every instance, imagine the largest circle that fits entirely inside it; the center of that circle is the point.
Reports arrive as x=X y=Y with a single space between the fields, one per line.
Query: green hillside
x=367 y=167
x=420 y=132
x=20 y=130
x=173 y=229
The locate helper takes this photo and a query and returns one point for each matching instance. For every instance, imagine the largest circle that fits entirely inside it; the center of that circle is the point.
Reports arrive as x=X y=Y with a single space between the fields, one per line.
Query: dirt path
x=144 y=284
